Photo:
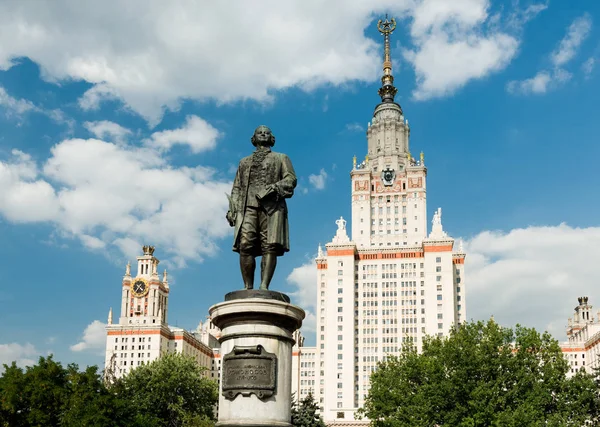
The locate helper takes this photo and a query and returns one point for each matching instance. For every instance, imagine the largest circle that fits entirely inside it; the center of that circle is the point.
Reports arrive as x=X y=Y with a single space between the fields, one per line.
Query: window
x=439 y=297
x=438 y=259
x=339 y=357
x=440 y=316
x=438 y=269
x=340 y=300
x=440 y=326
x=438 y=278
x=340 y=337
x=340 y=272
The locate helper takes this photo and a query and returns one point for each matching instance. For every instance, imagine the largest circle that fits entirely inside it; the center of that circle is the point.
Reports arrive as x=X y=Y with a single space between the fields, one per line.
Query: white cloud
x=94 y=337
x=455 y=42
x=23 y=354
x=318 y=181
x=196 y=133
x=531 y=276
x=176 y=51
x=540 y=83
x=13 y=105
x=588 y=66
x=108 y=130
x=569 y=45
x=566 y=50
x=304 y=278
x=132 y=196
x=354 y=127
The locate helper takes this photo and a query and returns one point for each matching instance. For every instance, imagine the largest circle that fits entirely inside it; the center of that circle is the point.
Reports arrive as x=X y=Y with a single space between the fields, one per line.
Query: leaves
x=168 y=392
x=481 y=375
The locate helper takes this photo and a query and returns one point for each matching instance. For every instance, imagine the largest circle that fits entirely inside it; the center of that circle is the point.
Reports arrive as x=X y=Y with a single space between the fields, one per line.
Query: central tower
x=389 y=282
x=389 y=177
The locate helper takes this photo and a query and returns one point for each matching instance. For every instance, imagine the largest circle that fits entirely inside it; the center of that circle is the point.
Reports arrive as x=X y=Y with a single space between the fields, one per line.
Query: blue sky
x=122 y=128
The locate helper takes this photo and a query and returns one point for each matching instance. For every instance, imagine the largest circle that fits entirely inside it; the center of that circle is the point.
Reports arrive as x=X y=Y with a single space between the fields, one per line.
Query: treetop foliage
x=481 y=375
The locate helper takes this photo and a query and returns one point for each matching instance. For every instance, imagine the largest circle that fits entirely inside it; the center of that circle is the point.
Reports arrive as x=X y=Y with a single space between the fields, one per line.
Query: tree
x=306 y=414
x=481 y=375
x=170 y=391
x=47 y=394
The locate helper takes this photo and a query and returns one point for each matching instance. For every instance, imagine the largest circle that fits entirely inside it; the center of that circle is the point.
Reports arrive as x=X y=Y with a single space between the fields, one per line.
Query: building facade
x=582 y=347
x=143 y=334
x=390 y=281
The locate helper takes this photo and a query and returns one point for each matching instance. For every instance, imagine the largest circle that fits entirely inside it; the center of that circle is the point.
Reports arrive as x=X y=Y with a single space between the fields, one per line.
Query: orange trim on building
x=458 y=260
x=321 y=265
x=340 y=252
x=571 y=350
x=445 y=248
x=390 y=255
x=295 y=353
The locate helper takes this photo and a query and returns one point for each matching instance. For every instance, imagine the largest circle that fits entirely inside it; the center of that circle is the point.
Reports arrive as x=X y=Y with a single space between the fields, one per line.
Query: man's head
x=263 y=137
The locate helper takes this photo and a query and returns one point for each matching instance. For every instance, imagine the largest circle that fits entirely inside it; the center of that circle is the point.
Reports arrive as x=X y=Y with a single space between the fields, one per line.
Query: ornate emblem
x=387 y=176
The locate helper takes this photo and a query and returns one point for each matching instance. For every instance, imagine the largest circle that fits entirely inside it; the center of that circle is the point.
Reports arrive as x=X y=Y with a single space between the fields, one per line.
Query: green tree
x=47 y=394
x=481 y=375
x=306 y=414
x=170 y=391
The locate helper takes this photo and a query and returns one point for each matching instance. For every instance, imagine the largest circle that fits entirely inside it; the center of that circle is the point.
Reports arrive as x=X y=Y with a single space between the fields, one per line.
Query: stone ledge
x=257 y=293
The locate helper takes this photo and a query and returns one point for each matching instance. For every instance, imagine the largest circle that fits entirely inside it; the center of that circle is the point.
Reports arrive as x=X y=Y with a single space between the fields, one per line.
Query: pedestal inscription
x=247 y=370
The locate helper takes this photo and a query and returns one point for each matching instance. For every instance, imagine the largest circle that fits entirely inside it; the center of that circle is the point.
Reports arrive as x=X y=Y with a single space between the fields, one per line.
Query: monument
x=257 y=325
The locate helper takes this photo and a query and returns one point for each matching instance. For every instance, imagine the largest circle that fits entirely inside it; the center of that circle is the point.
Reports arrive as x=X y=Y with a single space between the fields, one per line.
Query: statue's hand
x=230 y=218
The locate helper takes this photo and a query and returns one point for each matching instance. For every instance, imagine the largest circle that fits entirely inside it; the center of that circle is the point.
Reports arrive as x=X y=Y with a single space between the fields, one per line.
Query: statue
x=128 y=270
x=257 y=208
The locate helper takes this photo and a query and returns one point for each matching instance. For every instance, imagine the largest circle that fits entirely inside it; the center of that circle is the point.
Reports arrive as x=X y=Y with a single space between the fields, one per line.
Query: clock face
x=139 y=288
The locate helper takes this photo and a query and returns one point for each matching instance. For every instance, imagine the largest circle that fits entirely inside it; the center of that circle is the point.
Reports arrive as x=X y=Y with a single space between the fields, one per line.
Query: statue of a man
x=258 y=210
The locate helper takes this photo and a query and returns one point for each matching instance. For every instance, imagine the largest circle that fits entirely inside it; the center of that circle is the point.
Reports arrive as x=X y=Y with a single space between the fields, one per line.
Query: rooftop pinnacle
x=387 y=91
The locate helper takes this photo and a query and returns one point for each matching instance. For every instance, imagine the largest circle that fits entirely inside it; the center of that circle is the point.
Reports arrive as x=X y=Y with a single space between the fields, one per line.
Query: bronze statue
x=258 y=210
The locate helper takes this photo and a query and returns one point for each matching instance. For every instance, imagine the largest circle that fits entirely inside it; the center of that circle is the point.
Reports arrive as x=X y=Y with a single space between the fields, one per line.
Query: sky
x=122 y=124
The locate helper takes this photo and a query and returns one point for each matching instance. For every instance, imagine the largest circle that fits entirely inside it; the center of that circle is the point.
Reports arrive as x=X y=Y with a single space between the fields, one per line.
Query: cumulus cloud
x=132 y=196
x=318 y=181
x=171 y=53
x=532 y=275
x=456 y=42
x=108 y=130
x=196 y=133
x=94 y=337
x=566 y=50
x=23 y=354
x=304 y=279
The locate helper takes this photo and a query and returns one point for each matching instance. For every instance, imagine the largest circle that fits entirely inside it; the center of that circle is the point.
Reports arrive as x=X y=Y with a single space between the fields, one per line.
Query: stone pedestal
x=256 y=347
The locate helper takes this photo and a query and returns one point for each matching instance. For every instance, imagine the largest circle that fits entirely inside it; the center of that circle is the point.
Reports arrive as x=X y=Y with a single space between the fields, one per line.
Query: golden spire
x=387 y=91
x=354 y=162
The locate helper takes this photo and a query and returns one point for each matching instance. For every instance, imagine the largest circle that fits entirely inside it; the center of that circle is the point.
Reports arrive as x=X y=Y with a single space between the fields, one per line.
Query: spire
x=387 y=91
x=110 y=319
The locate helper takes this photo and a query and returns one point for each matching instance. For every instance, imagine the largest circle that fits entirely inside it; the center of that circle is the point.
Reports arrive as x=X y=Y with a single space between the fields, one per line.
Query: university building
x=582 y=347
x=385 y=280
x=142 y=333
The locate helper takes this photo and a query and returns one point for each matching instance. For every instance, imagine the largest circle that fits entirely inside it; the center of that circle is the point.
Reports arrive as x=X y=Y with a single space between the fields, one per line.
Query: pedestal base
x=256 y=372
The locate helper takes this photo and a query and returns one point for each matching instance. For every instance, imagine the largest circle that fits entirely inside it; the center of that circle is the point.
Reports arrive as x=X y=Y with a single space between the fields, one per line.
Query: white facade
x=142 y=333
x=583 y=332
x=390 y=282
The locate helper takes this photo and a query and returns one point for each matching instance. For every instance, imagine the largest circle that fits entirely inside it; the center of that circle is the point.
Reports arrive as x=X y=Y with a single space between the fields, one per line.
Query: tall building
x=583 y=339
x=142 y=333
x=390 y=281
